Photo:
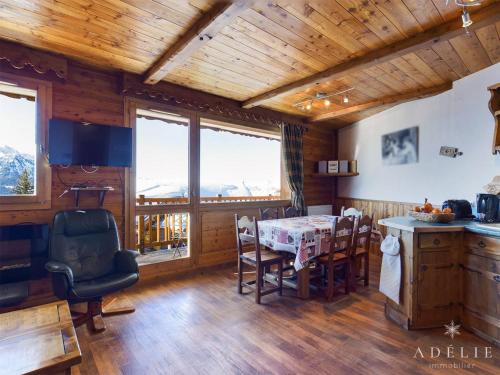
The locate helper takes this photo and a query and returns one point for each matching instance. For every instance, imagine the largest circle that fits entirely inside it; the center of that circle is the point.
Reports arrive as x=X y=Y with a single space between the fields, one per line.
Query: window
x=24 y=171
x=238 y=164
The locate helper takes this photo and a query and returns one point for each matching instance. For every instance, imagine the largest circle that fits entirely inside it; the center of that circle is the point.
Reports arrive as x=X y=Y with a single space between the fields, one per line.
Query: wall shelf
x=495 y=111
x=335 y=174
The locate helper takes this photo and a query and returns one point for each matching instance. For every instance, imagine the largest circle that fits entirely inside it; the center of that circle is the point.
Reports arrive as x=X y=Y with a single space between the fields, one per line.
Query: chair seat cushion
x=12 y=294
x=104 y=285
x=265 y=256
x=337 y=257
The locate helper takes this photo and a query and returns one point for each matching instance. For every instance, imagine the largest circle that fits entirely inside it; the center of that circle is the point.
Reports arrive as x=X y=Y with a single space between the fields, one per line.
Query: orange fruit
x=436 y=211
x=427 y=206
x=447 y=210
x=417 y=209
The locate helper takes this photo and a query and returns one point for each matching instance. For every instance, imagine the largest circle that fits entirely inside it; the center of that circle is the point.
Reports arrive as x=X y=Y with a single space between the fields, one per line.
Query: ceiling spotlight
x=308 y=106
x=345 y=99
x=466 y=20
x=326 y=103
x=467 y=3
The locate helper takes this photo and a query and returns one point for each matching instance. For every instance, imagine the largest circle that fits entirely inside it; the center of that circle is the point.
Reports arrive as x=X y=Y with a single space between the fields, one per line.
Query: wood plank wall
x=380 y=210
x=319 y=144
x=91 y=95
x=87 y=95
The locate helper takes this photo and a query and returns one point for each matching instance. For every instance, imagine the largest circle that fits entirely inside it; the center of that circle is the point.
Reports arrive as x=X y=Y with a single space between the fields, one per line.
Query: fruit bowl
x=432 y=218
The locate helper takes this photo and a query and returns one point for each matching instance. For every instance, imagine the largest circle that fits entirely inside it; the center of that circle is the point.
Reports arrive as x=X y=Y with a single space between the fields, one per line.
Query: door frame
x=131 y=105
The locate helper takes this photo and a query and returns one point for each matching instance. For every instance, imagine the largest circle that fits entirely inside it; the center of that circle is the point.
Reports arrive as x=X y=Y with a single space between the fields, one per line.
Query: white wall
x=458 y=118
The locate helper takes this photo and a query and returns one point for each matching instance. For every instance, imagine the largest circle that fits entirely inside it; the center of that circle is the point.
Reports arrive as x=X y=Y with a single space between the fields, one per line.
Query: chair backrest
x=351 y=212
x=290 y=212
x=269 y=213
x=247 y=235
x=341 y=238
x=86 y=241
x=363 y=232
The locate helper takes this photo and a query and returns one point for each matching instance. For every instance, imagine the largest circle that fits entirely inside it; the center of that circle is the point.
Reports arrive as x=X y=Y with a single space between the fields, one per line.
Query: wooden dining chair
x=350 y=212
x=361 y=245
x=251 y=254
x=290 y=212
x=269 y=213
x=340 y=254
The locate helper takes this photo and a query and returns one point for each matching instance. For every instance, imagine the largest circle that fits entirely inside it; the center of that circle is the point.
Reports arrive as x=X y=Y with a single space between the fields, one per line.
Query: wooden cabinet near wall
x=495 y=110
x=430 y=278
x=437 y=279
x=481 y=286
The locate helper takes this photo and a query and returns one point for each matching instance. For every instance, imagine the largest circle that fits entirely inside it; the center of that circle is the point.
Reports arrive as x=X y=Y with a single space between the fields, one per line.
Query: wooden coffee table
x=38 y=340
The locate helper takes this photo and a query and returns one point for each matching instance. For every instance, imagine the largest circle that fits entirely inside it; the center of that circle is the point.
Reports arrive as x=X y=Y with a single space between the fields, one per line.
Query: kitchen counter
x=409 y=224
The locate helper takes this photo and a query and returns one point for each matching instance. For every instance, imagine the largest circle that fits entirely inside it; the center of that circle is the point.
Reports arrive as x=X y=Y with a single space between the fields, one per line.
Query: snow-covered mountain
x=162 y=189
x=12 y=164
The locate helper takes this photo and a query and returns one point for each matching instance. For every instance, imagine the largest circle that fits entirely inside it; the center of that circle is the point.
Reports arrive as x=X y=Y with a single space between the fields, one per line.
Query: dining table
x=305 y=236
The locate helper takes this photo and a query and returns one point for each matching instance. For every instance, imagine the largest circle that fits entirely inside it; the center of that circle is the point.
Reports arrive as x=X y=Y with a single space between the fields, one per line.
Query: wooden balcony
x=157 y=229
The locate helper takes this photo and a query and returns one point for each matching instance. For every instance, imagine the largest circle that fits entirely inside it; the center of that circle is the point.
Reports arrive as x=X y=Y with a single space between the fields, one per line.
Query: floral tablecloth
x=305 y=236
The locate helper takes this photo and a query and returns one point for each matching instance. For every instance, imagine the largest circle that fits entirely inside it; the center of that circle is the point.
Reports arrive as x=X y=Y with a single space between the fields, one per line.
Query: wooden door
x=481 y=295
x=438 y=281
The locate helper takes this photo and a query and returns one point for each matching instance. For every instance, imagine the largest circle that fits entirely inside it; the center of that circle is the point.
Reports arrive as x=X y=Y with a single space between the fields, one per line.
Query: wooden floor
x=201 y=325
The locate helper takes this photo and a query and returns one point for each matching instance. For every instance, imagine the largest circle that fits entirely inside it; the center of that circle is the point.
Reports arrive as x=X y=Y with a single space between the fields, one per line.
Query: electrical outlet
x=451 y=152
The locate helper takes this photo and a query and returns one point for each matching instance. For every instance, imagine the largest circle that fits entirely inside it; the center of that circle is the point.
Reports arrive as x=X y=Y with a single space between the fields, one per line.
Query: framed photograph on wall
x=400 y=147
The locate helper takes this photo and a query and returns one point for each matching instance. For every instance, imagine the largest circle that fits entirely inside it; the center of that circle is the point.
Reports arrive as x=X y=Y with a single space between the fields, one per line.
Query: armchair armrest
x=125 y=261
x=58 y=267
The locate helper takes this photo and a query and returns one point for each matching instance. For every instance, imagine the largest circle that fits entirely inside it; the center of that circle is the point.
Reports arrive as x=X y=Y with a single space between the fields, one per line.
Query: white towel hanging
x=390 y=274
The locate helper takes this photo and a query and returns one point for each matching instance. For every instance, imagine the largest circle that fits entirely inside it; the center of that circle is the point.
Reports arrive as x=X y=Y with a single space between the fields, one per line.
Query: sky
x=162 y=150
x=226 y=158
x=17 y=128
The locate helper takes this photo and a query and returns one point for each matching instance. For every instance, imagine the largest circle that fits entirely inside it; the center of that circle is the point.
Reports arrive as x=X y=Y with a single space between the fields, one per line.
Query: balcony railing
x=170 y=230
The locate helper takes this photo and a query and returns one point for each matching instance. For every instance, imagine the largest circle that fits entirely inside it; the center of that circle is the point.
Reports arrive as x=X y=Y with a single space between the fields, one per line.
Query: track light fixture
x=322 y=97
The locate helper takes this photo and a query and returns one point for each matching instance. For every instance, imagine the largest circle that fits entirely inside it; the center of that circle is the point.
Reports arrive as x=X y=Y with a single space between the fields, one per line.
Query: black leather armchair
x=86 y=261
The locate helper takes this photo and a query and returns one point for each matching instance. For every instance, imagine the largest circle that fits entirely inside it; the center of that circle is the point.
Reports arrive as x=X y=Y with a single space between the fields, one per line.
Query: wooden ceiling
x=255 y=47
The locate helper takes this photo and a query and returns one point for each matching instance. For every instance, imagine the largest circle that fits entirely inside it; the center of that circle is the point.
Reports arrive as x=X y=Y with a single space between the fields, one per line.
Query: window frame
x=43 y=178
x=285 y=192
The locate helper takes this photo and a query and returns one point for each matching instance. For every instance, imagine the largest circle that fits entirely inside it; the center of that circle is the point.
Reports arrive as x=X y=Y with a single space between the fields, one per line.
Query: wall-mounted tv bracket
x=101 y=190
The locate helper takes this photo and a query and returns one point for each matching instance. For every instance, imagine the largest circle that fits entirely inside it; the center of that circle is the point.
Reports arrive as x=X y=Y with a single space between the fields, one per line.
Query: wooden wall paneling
x=319 y=144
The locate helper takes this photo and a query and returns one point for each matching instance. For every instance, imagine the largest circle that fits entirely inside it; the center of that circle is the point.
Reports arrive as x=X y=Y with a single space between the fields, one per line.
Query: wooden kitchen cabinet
x=430 y=279
x=448 y=273
x=481 y=286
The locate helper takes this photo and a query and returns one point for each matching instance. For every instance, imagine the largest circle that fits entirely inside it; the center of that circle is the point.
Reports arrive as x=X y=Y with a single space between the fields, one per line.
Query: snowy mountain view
x=165 y=189
x=12 y=166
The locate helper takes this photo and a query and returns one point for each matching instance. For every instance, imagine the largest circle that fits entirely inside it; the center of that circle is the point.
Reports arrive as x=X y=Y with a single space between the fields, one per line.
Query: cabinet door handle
x=481 y=244
x=436 y=241
x=443 y=267
x=496 y=278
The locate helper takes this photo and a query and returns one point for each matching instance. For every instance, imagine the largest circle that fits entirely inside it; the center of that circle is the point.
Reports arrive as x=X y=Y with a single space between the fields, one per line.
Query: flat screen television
x=76 y=143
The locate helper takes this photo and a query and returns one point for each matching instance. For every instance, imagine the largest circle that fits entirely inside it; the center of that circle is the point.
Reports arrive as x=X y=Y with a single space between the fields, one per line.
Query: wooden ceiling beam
x=394 y=99
x=210 y=24
x=483 y=17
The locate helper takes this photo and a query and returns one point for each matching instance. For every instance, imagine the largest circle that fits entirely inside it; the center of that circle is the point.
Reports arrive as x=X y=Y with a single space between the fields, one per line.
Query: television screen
x=75 y=143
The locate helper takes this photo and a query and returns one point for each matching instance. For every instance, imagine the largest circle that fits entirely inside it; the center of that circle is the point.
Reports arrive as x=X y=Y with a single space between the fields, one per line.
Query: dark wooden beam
x=395 y=99
x=211 y=23
x=483 y=17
